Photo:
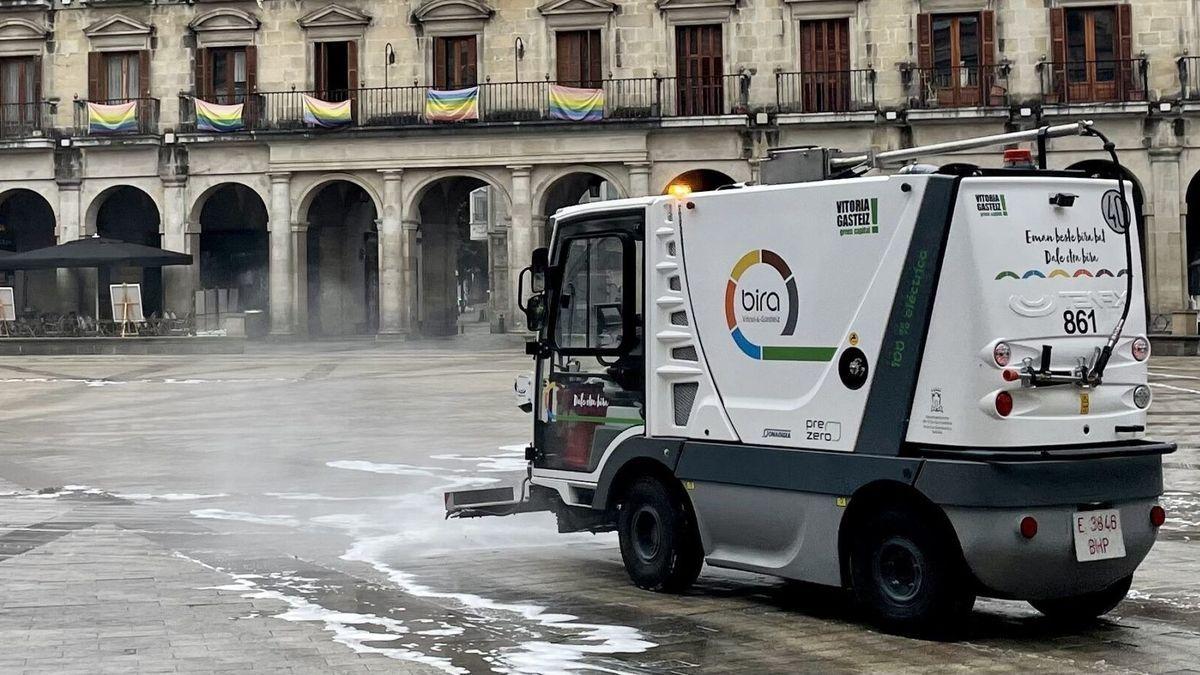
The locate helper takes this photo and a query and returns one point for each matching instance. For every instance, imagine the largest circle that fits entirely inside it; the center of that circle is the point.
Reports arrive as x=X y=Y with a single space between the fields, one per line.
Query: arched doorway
x=342 y=262
x=1192 y=232
x=461 y=235
x=579 y=187
x=27 y=223
x=128 y=214
x=700 y=180
x=234 y=249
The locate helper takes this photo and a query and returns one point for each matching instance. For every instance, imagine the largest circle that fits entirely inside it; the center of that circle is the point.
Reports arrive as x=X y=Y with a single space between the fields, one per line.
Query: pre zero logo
x=754 y=296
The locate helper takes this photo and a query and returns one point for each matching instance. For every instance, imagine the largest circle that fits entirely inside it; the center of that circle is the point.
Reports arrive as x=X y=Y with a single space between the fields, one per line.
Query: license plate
x=1098 y=535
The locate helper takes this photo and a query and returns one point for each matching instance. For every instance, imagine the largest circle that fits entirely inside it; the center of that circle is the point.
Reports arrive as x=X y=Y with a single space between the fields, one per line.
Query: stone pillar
x=520 y=242
x=282 y=293
x=392 y=315
x=410 y=283
x=178 y=282
x=70 y=228
x=639 y=179
x=299 y=277
x=1166 y=265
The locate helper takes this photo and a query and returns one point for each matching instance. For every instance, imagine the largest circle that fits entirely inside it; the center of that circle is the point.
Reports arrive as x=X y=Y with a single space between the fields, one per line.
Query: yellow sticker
x=853 y=339
x=842 y=502
x=1084 y=403
x=689 y=485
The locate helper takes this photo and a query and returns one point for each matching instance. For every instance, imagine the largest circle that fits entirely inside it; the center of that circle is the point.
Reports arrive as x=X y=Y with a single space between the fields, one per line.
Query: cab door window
x=592 y=313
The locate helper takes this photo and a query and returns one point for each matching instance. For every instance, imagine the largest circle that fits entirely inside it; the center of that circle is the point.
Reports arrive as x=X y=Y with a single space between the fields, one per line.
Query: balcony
x=1075 y=83
x=839 y=91
x=142 y=121
x=1189 y=77
x=619 y=100
x=956 y=87
x=25 y=120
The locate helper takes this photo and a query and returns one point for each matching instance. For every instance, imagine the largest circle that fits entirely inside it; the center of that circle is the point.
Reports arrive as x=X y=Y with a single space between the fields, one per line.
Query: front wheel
x=660 y=543
x=1086 y=607
x=909 y=577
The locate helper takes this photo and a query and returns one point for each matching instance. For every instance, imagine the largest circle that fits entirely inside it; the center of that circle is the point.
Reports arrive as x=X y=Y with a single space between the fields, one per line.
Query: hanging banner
x=119 y=118
x=576 y=104
x=452 y=106
x=218 y=118
x=326 y=114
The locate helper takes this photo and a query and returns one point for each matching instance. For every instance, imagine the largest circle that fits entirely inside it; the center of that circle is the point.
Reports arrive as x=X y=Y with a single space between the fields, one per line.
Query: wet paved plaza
x=282 y=511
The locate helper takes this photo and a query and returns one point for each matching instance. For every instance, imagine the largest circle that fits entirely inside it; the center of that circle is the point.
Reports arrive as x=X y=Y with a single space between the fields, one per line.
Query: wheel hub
x=647 y=533
x=899 y=569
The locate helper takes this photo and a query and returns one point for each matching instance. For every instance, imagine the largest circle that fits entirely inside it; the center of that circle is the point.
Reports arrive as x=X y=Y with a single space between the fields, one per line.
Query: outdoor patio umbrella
x=93 y=252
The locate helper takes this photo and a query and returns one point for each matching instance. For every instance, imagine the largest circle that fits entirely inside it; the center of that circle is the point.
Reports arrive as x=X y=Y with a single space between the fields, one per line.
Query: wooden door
x=454 y=62
x=699 y=67
x=825 y=65
x=1092 y=48
x=577 y=58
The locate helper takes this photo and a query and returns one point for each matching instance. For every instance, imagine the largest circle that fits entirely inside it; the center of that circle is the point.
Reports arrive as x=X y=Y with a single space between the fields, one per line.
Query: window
x=825 y=65
x=1093 y=54
x=122 y=75
x=454 y=62
x=20 y=91
x=336 y=76
x=592 y=308
x=698 y=70
x=957 y=55
x=226 y=76
x=578 y=58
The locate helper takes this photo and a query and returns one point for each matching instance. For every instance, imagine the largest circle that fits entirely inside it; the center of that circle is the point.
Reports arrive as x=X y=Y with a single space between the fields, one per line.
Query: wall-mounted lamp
x=389 y=58
x=518 y=55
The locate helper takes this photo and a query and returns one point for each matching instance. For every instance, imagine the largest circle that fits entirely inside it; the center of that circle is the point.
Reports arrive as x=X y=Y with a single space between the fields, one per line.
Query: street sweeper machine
x=922 y=386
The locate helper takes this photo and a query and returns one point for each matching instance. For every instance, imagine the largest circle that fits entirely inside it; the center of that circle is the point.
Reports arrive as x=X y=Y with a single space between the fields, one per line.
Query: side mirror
x=538 y=268
x=535 y=313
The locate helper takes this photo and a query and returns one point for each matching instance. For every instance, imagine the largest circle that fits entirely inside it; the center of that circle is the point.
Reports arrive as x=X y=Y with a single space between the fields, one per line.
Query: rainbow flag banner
x=119 y=118
x=575 y=104
x=219 y=118
x=452 y=106
x=320 y=113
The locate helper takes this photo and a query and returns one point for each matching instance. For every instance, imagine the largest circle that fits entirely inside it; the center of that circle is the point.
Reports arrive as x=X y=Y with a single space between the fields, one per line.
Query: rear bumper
x=1008 y=565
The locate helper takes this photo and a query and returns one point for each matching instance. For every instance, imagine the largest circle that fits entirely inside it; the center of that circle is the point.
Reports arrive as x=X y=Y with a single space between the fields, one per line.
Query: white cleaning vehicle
x=924 y=386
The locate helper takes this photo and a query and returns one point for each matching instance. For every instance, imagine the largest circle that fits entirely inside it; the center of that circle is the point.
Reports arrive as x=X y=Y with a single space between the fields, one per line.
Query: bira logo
x=761 y=302
x=991 y=205
x=857 y=216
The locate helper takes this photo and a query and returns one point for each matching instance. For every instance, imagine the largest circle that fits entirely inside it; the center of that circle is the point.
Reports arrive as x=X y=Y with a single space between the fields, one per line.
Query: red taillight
x=1010 y=375
x=1158 y=515
x=1022 y=157
x=1029 y=527
x=1001 y=354
x=1004 y=403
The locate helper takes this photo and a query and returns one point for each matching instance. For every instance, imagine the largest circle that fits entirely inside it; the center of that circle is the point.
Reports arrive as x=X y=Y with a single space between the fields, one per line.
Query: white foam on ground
x=241 y=516
x=453 y=482
x=167 y=497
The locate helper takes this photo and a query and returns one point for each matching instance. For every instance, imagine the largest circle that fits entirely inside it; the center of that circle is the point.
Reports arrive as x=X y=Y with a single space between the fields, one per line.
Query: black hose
x=1096 y=376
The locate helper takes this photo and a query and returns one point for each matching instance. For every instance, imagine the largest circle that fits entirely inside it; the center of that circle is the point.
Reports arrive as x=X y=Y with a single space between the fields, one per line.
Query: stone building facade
x=360 y=227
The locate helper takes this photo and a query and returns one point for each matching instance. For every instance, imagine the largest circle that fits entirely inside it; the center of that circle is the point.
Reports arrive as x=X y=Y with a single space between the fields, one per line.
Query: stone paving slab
x=101 y=599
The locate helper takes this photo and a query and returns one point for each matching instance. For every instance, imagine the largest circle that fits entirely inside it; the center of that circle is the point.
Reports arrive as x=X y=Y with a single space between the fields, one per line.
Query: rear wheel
x=908 y=576
x=1086 y=607
x=660 y=544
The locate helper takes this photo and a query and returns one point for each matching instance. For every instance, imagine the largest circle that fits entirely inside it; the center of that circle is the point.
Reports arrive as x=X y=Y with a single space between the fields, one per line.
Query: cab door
x=591 y=378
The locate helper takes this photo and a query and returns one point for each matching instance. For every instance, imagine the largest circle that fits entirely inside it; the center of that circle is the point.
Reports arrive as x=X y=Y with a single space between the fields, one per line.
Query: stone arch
x=1191 y=243
x=544 y=187
x=568 y=187
x=131 y=214
x=417 y=192
x=99 y=199
x=700 y=180
x=27 y=222
x=462 y=252
x=308 y=194
x=201 y=199
x=229 y=223
x=338 y=259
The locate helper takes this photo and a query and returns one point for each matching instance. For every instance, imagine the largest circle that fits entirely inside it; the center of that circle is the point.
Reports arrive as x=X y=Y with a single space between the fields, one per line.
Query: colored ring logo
x=769 y=352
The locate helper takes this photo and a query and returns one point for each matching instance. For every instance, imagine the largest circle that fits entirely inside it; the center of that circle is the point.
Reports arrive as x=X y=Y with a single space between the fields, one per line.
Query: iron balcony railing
x=145 y=118
x=831 y=91
x=1189 y=77
x=957 y=86
x=1108 y=81
x=625 y=99
x=25 y=120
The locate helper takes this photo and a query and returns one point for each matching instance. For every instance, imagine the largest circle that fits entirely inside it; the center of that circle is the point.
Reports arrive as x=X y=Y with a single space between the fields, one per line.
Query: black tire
x=909 y=576
x=660 y=543
x=1080 y=609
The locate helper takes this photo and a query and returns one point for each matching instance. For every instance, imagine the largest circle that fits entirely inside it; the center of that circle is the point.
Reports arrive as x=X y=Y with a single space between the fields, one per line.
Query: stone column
x=639 y=179
x=1166 y=268
x=178 y=282
x=410 y=284
x=70 y=228
x=392 y=319
x=282 y=293
x=299 y=277
x=520 y=241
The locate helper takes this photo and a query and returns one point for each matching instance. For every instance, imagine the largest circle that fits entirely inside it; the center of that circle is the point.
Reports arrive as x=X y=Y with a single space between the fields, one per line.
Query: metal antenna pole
x=891 y=157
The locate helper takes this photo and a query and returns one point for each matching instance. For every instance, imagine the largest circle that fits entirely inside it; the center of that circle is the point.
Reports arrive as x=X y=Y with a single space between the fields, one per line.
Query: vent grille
x=679 y=319
x=674 y=284
x=671 y=248
x=685 y=395
x=684 y=353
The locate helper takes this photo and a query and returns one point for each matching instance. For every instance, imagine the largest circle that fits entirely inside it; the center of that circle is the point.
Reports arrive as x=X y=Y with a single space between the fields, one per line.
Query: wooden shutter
x=1058 y=34
x=144 y=73
x=467 y=76
x=203 y=74
x=987 y=38
x=36 y=94
x=95 y=90
x=439 y=63
x=352 y=64
x=924 y=40
x=566 y=46
x=251 y=70
x=594 y=62
x=319 y=68
x=1124 y=32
